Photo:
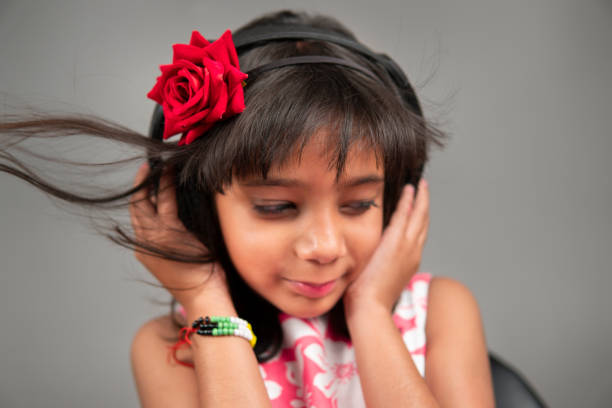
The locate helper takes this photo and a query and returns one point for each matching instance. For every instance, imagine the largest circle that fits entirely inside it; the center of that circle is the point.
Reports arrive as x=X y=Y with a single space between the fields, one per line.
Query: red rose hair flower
x=202 y=86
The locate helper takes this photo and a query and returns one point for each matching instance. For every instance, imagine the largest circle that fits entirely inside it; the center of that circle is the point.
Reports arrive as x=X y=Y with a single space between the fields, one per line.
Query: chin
x=310 y=309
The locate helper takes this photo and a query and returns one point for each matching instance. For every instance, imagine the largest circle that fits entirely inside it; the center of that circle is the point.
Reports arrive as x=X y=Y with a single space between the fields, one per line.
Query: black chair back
x=511 y=389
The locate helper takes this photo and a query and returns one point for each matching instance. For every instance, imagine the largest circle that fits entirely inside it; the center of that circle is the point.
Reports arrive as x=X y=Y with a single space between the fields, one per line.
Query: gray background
x=520 y=196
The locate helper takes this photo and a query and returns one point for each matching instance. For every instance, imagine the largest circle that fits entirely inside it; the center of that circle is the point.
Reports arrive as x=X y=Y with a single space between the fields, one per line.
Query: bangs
x=287 y=106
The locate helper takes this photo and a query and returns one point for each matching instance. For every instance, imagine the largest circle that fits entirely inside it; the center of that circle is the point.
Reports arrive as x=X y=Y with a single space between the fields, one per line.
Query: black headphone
x=249 y=38
x=253 y=37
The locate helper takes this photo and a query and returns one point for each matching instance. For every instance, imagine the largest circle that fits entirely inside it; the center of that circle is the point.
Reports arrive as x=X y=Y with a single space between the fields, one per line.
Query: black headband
x=250 y=38
x=247 y=39
x=256 y=36
x=309 y=59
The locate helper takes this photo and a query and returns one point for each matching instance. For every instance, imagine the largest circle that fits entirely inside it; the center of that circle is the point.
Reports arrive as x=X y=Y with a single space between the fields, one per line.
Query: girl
x=292 y=207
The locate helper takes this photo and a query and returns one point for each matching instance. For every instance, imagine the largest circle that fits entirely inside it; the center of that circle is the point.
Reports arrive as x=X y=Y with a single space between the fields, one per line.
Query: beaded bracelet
x=224 y=326
x=212 y=326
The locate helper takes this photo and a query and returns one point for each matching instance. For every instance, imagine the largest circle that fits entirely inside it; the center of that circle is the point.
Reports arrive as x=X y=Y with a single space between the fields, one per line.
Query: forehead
x=320 y=156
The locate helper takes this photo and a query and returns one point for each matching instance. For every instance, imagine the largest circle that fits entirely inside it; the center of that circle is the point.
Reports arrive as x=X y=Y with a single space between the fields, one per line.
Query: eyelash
x=355 y=208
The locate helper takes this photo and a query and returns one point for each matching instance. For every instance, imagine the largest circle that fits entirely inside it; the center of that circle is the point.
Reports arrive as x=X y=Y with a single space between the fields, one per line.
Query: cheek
x=363 y=239
x=255 y=249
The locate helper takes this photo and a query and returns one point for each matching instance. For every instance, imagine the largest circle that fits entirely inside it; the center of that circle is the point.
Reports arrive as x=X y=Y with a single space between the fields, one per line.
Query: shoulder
x=150 y=344
x=152 y=336
x=152 y=340
x=448 y=286
x=450 y=304
x=443 y=290
x=157 y=379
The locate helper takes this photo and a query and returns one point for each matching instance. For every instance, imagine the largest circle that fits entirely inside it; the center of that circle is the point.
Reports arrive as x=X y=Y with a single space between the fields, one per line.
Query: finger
x=166 y=199
x=422 y=238
x=140 y=204
x=399 y=218
x=422 y=234
x=140 y=215
x=141 y=176
x=425 y=216
x=419 y=218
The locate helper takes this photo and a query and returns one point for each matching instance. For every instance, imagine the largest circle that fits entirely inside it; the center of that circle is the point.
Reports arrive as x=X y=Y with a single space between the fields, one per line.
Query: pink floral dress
x=316 y=369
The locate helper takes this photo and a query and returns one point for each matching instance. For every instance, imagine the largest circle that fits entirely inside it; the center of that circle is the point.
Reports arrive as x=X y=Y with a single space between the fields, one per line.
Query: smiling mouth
x=312 y=290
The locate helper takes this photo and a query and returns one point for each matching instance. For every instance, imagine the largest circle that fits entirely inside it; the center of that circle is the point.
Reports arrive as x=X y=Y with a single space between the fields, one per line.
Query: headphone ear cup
x=401 y=82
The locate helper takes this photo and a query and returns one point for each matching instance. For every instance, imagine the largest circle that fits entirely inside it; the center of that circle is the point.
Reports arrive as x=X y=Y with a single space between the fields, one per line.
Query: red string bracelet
x=183 y=339
x=212 y=326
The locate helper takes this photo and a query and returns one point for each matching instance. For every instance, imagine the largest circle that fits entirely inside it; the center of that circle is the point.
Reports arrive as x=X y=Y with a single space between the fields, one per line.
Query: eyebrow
x=284 y=182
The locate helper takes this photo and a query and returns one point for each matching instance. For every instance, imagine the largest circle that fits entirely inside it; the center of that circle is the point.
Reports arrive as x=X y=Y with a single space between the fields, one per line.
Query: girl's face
x=300 y=237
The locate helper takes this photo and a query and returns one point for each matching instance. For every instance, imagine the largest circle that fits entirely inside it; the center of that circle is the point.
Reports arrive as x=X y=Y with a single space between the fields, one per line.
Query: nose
x=321 y=240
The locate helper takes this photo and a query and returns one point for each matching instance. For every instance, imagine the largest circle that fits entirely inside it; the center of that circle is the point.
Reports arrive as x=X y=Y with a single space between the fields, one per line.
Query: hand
x=397 y=257
x=161 y=228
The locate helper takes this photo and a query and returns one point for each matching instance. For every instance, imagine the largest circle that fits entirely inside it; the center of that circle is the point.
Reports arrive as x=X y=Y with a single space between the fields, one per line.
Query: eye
x=276 y=209
x=358 y=207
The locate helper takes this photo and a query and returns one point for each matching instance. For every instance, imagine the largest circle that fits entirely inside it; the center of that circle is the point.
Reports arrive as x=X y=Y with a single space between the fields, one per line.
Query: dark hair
x=284 y=108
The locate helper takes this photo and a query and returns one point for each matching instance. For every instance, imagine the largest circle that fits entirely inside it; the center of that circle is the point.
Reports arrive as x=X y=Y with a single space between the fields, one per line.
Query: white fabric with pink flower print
x=316 y=369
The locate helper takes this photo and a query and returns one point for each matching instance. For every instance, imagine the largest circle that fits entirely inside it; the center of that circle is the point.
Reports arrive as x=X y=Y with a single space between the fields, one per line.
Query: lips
x=312 y=290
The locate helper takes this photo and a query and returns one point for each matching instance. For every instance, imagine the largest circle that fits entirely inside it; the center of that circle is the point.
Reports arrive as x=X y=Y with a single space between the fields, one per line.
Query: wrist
x=364 y=312
x=357 y=302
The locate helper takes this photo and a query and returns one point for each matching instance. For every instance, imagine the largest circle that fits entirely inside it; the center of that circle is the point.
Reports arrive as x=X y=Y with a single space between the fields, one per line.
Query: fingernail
x=409 y=189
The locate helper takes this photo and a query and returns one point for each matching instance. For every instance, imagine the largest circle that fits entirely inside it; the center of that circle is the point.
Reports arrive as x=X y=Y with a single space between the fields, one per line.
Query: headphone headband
x=309 y=59
x=248 y=38
x=259 y=35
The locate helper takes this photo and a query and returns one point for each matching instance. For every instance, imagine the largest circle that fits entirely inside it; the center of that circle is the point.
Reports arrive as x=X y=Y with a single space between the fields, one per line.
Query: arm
x=388 y=375
x=226 y=371
x=457 y=372
x=160 y=384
